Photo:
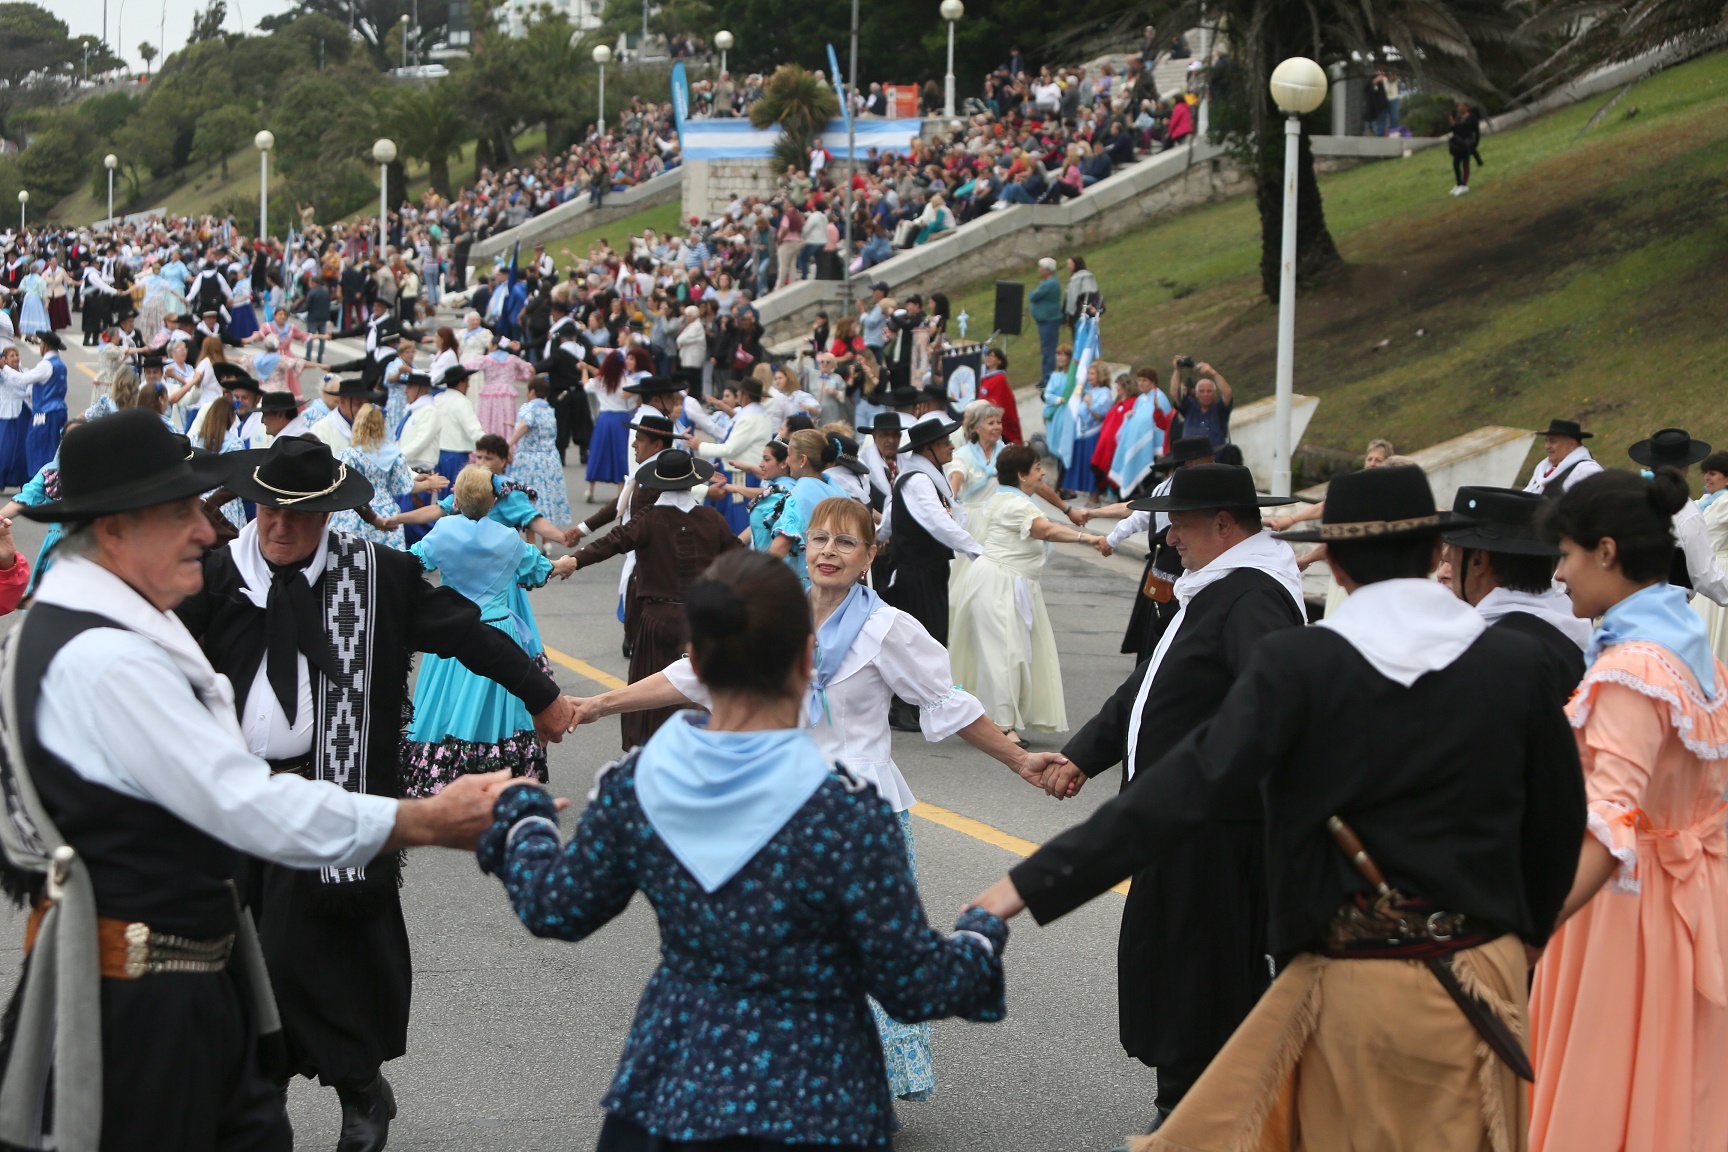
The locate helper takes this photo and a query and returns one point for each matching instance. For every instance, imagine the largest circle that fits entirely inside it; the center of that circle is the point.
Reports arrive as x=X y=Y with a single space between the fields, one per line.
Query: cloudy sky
x=131 y=22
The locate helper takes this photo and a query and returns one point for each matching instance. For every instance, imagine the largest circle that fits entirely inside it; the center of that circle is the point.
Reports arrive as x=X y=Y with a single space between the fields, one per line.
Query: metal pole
x=1281 y=445
x=416 y=27
x=722 y=61
x=948 y=81
x=110 y=199
x=851 y=90
x=263 y=194
x=644 y=50
x=383 y=206
x=602 y=100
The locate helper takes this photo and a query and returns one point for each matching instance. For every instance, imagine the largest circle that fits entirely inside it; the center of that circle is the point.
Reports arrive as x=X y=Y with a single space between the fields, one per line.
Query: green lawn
x=662 y=219
x=1582 y=277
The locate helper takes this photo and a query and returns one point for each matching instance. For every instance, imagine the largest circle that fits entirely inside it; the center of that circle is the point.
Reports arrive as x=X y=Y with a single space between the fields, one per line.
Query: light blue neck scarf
x=834 y=639
x=717 y=798
x=1660 y=615
x=1709 y=498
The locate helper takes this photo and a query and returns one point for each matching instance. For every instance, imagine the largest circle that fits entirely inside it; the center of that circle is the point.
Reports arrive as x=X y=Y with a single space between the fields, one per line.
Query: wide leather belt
x=130 y=950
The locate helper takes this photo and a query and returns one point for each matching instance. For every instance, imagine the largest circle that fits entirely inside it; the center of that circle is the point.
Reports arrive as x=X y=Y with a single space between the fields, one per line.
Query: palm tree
x=801 y=104
x=426 y=126
x=1593 y=34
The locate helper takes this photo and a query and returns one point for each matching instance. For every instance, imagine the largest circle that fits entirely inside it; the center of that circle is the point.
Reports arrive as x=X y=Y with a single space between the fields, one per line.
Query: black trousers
x=180 y=1069
x=575 y=421
x=921 y=591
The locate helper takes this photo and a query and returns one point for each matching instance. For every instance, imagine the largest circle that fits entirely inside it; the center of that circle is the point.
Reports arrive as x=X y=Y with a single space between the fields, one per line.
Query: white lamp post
x=602 y=56
x=1298 y=86
x=23 y=199
x=723 y=41
x=109 y=162
x=264 y=141
x=952 y=10
x=404 y=23
x=383 y=152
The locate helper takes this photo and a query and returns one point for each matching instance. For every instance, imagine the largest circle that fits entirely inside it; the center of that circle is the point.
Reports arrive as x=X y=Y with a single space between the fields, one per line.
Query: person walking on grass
x=1466 y=142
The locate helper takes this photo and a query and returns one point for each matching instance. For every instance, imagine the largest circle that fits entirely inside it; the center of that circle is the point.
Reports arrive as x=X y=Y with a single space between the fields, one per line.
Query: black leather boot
x=366 y=1116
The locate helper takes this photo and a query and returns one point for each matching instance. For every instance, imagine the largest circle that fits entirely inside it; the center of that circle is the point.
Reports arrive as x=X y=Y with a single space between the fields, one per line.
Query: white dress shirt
x=335 y=431
x=1545 y=471
x=750 y=432
x=892 y=656
x=268 y=732
x=141 y=712
x=458 y=426
x=15 y=387
x=945 y=522
x=419 y=438
x=1694 y=539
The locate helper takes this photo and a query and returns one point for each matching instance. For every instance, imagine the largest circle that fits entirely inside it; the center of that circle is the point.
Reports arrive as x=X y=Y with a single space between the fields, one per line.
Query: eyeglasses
x=845 y=545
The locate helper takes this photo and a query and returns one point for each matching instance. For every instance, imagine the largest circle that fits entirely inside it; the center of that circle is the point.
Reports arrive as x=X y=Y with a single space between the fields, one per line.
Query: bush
x=1426 y=114
x=334 y=188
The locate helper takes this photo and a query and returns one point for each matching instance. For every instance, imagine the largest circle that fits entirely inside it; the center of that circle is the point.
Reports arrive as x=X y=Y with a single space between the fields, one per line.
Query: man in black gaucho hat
x=132 y=800
x=315 y=630
x=1423 y=802
x=1191 y=960
x=1694 y=565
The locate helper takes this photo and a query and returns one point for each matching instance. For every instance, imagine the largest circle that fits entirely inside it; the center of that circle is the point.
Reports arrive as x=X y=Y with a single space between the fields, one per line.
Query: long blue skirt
x=450 y=464
x=609 y=449
x=736 y=511
x=13 y=472
x=1078 y=476
x=242 y=322
x=42 y=439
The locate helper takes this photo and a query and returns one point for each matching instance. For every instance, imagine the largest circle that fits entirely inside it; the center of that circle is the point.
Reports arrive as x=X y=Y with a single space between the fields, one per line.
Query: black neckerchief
x=293 y=624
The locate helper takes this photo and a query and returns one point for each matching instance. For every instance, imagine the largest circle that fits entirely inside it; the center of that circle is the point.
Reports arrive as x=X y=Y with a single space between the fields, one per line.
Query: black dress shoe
x=366 y=1116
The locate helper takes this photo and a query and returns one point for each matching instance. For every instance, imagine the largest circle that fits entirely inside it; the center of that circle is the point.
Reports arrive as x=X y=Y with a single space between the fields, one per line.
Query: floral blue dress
x=535 y=461
x=390 y=477
x=755 y=1024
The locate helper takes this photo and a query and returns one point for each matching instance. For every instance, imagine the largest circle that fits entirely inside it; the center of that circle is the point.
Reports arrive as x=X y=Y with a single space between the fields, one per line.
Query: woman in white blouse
x=209 y=387
x=867 y=653
x=178 y=377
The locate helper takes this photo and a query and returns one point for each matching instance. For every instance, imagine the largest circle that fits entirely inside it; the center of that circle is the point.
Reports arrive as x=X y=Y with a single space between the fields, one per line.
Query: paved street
x=514 y=1039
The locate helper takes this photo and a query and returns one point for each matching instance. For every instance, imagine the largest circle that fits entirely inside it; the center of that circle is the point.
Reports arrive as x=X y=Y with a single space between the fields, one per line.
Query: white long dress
x=978 y=484
x=1715 y=616
x=999 y=636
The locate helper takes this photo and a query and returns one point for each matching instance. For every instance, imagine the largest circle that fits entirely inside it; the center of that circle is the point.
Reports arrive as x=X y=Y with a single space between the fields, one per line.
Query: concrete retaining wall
x=1251 y=431
x=577 y=214
x=709 y=185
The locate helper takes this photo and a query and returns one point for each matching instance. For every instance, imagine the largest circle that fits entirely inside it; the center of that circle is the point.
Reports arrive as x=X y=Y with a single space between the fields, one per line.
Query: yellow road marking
x=583 y=668
x=87 y=370
x=965 y=825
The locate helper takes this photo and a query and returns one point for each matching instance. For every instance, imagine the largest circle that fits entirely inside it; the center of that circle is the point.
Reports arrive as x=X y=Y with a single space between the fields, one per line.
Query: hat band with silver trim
x=1364 y=528
x=289 y=496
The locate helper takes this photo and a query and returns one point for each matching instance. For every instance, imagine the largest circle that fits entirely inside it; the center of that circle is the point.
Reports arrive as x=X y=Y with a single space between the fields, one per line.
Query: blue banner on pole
x=680 y=96
x=840 y=88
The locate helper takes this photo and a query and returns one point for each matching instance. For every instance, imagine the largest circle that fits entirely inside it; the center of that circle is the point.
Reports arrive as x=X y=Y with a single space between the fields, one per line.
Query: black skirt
x=1191 y=958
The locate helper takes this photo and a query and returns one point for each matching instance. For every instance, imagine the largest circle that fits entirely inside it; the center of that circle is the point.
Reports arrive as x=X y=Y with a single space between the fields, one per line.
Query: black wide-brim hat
x=1568 y=428
x=1205 y=487
x=124 y=462
x=653 y=424
x=1375 y=505
x=234 y=376
x=297 y=475
x=674 y=470
x=454 y=374
x=50 y=340
x=1185 y=450
x=847 y=454
x=357 y=389
x=1501 y=520
x=654 y=386
x=928 y=430
x=1669 y=447
x=886 y=422
x=280 y=402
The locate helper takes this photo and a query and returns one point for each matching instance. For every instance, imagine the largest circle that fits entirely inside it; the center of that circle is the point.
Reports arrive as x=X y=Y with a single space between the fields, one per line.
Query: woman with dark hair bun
x=783 y=891
x=1629 y=1011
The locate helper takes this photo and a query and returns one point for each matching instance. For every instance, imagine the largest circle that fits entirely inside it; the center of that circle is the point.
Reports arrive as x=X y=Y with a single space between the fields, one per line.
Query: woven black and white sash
x=339 y=737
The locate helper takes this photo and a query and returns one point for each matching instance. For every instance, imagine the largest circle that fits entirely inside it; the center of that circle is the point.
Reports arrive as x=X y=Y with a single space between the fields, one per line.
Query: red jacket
x=994 y=388
x=13 y=582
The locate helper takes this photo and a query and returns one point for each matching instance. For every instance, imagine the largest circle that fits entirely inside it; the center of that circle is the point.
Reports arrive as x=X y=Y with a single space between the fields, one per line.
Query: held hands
x=1001 y=899
x=555 y=720
x=563 y=567
x=1051 y=771
x=1078 y=516
x=458 y=814
x=574 y=534
x=1102 y=544
x=431 y=482
x=588 y=709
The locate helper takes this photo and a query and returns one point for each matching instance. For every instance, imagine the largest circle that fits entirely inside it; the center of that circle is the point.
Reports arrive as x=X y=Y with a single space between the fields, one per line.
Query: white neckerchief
x=255 y=573
x=1406 y=628
x=1259 y=551
x=917 y=462
x=84 y=586
x=1553 y=606
x=1546 y=471
x=419 y=402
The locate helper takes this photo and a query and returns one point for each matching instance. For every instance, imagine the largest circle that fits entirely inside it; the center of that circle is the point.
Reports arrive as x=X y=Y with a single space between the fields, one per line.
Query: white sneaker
x=1462 y=188
x=1455 y=189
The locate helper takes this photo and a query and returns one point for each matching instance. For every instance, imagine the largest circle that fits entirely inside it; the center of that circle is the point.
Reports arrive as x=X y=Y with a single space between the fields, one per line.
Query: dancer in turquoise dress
x=372 y=453
x=534 y=452
x=175 y=276
x=464 y=723
x=33 y=313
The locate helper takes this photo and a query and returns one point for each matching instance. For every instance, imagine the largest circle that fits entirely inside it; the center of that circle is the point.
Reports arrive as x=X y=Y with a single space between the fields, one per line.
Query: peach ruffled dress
x=1629 y=1012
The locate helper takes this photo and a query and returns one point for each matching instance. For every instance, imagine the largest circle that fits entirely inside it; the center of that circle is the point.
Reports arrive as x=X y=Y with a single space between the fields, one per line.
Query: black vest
x=145 y=863
x=914 y=547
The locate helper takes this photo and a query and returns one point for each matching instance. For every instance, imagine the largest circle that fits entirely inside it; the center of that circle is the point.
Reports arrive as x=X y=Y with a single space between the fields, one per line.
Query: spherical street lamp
x=264 y=141
x=109 y=162
x=384 y=151
x=1298 y=86
x=951 y=10
x=602 y=56
x=723 y=40
x=23 y=199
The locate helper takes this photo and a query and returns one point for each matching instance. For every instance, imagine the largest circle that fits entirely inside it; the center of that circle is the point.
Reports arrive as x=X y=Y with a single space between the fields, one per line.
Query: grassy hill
x=1583 y=276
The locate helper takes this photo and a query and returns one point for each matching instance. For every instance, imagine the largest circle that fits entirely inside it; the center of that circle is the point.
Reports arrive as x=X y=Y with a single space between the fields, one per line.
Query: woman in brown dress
x=675 y=539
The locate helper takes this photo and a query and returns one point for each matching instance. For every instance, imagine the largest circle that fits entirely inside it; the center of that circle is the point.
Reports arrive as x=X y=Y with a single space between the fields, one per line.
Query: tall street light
x=109 y=162
x=1298 y=86
x=602 y=56
x=404 y=23
x=23 y=199
x=723 y=41
x=383 y=152
x=952 y=10
x=264 y=141
x=850 y=95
